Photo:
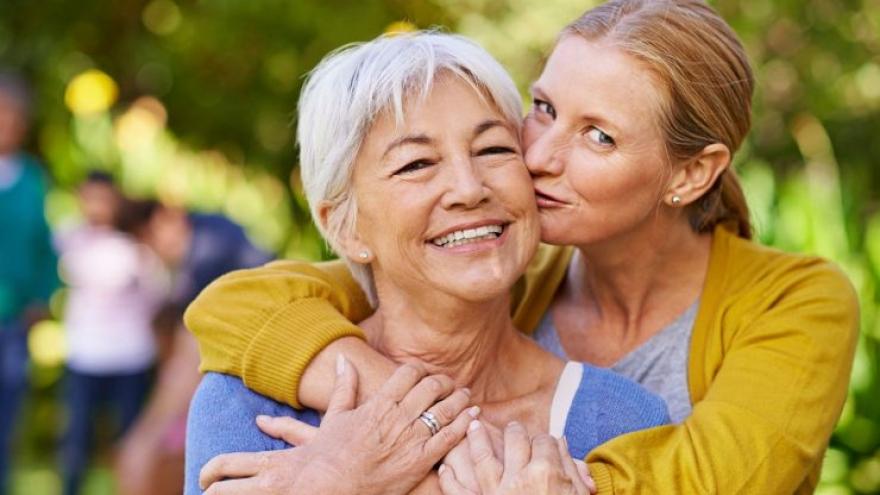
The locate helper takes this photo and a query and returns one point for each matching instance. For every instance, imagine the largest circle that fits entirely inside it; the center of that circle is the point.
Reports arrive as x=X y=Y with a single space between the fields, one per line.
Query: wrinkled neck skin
x=658 y=268
x=474 y=342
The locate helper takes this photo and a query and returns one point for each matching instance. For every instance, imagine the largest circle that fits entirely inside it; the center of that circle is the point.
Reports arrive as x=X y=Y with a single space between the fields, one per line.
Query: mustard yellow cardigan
x=769 y=361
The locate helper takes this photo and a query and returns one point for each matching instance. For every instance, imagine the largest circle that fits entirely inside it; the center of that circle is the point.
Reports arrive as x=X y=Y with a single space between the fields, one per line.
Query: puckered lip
x=471 y=225
x=545 y=199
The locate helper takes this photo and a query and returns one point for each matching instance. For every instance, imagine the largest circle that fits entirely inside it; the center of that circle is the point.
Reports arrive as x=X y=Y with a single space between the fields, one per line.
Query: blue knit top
x=596 y=404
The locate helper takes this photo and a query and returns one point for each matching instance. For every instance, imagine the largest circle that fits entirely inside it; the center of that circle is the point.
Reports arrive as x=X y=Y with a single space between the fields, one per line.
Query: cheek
x=603 y=180
x=391 y=219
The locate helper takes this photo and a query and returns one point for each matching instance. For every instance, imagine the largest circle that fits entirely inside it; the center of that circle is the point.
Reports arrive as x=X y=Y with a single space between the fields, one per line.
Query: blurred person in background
x=115 y=286
x=28 y=265
x=197 y=248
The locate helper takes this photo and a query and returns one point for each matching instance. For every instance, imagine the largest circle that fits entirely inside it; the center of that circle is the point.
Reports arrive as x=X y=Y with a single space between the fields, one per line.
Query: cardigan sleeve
x=776 y=374
x=266 y=324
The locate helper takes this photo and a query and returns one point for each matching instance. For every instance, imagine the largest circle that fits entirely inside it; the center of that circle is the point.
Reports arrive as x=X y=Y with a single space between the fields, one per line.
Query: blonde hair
x=703 y=69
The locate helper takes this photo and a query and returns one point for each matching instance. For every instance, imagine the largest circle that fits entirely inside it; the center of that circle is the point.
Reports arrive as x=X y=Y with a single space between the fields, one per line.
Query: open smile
x=462 y=236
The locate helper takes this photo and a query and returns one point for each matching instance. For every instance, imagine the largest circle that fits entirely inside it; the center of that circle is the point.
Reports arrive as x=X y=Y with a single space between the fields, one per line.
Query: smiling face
x=444 y=200
x=593 y=144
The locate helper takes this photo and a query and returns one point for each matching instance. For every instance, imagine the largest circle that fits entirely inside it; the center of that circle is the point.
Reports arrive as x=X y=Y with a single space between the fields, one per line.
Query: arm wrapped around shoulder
x=265 y=324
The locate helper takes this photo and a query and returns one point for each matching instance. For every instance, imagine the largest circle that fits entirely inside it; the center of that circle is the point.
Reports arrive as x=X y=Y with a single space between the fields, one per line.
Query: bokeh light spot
x=91 y=92
x=47 y=343
x=162 y=17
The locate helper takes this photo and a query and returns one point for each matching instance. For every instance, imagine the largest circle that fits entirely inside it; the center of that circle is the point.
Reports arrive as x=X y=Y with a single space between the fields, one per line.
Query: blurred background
x=191 y=103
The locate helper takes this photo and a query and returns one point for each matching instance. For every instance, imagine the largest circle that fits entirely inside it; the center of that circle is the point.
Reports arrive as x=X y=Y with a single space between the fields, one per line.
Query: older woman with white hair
x=411 y=162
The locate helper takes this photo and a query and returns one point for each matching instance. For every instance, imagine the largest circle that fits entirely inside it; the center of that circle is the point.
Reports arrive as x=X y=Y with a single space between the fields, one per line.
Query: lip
x=473 y=247
x=545 y=200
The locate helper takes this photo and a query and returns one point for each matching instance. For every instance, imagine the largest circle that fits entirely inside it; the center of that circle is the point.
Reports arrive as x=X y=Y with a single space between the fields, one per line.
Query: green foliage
x=227 y=75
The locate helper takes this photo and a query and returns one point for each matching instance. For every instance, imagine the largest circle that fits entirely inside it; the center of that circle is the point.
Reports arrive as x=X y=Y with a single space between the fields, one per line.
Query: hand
x=379 y=447
x=542 y=466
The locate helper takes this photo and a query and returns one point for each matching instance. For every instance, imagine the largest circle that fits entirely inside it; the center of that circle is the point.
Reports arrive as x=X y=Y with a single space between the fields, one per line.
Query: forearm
x=373 y=370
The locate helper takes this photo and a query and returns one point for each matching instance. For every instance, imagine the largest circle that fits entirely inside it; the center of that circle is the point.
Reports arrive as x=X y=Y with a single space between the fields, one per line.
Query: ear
x=698 y=175
x=349 y=245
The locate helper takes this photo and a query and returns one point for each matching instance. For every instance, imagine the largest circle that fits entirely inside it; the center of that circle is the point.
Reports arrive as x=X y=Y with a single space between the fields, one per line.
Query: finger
x=569 y=468
x=233 y=487
x=449 y=484
x=497 y=437
x=291 y=430
x=344 y=395
x=237 y=465
x=450 y=435
x=449 y=408
x=584 y=471
x=545 y=449
x=459 y=460
x=429 y=390
x=486 y=466
x=517 y=449
x=402 y=381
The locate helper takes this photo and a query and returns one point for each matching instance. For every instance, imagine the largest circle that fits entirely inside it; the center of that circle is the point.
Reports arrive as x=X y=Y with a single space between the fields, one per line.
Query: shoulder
x=225 y=397
x=222 y=420
x=258 y=293
x=606 y=405
x=759 y=299
x=750 y=280
x=746 y=263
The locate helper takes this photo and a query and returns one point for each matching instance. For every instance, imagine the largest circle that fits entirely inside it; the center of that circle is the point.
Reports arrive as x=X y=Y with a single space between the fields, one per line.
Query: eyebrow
x=486 y=125
x=424 y=139
x=412 y=139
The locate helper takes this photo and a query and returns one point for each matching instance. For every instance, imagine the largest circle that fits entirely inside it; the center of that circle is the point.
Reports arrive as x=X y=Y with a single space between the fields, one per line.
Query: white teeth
x=466 y=236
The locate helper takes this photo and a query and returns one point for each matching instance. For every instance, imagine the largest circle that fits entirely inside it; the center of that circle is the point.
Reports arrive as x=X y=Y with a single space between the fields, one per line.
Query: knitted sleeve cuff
x=274 y=361
x=602 y=476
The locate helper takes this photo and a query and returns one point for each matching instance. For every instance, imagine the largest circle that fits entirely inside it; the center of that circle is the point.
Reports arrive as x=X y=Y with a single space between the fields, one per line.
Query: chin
x=477 y=287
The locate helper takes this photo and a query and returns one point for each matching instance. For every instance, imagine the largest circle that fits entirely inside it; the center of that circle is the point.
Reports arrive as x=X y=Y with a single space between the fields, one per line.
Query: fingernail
x=474 y=411
x=475 y=425
x=513 y=424
x=466 y=391
x=441 y=468
x=340 y=365
x=262 y=418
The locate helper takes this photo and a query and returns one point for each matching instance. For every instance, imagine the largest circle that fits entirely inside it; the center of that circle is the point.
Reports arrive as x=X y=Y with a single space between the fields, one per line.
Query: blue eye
x=544 y=107
x=600 y=137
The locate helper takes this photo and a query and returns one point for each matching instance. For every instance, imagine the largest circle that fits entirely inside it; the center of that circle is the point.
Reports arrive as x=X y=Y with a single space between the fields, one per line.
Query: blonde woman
x=650 y=269
x=412 y=167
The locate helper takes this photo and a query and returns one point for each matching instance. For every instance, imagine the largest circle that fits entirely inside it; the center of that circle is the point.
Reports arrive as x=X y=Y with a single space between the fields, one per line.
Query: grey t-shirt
x=660 y=364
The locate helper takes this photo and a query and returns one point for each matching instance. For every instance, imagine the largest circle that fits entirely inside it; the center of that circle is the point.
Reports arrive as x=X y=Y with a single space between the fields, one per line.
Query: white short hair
x=356 y=83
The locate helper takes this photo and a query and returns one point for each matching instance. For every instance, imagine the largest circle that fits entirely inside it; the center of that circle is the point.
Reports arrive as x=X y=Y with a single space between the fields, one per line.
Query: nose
x=544 y=155
x=467 y=187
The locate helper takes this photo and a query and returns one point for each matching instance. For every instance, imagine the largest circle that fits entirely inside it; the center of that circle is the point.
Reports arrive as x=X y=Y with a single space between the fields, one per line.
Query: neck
x=662 y=265
x=475 y=343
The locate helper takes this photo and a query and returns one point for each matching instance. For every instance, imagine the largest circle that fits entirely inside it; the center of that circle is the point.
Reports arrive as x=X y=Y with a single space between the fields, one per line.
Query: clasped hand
x=381 y=447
